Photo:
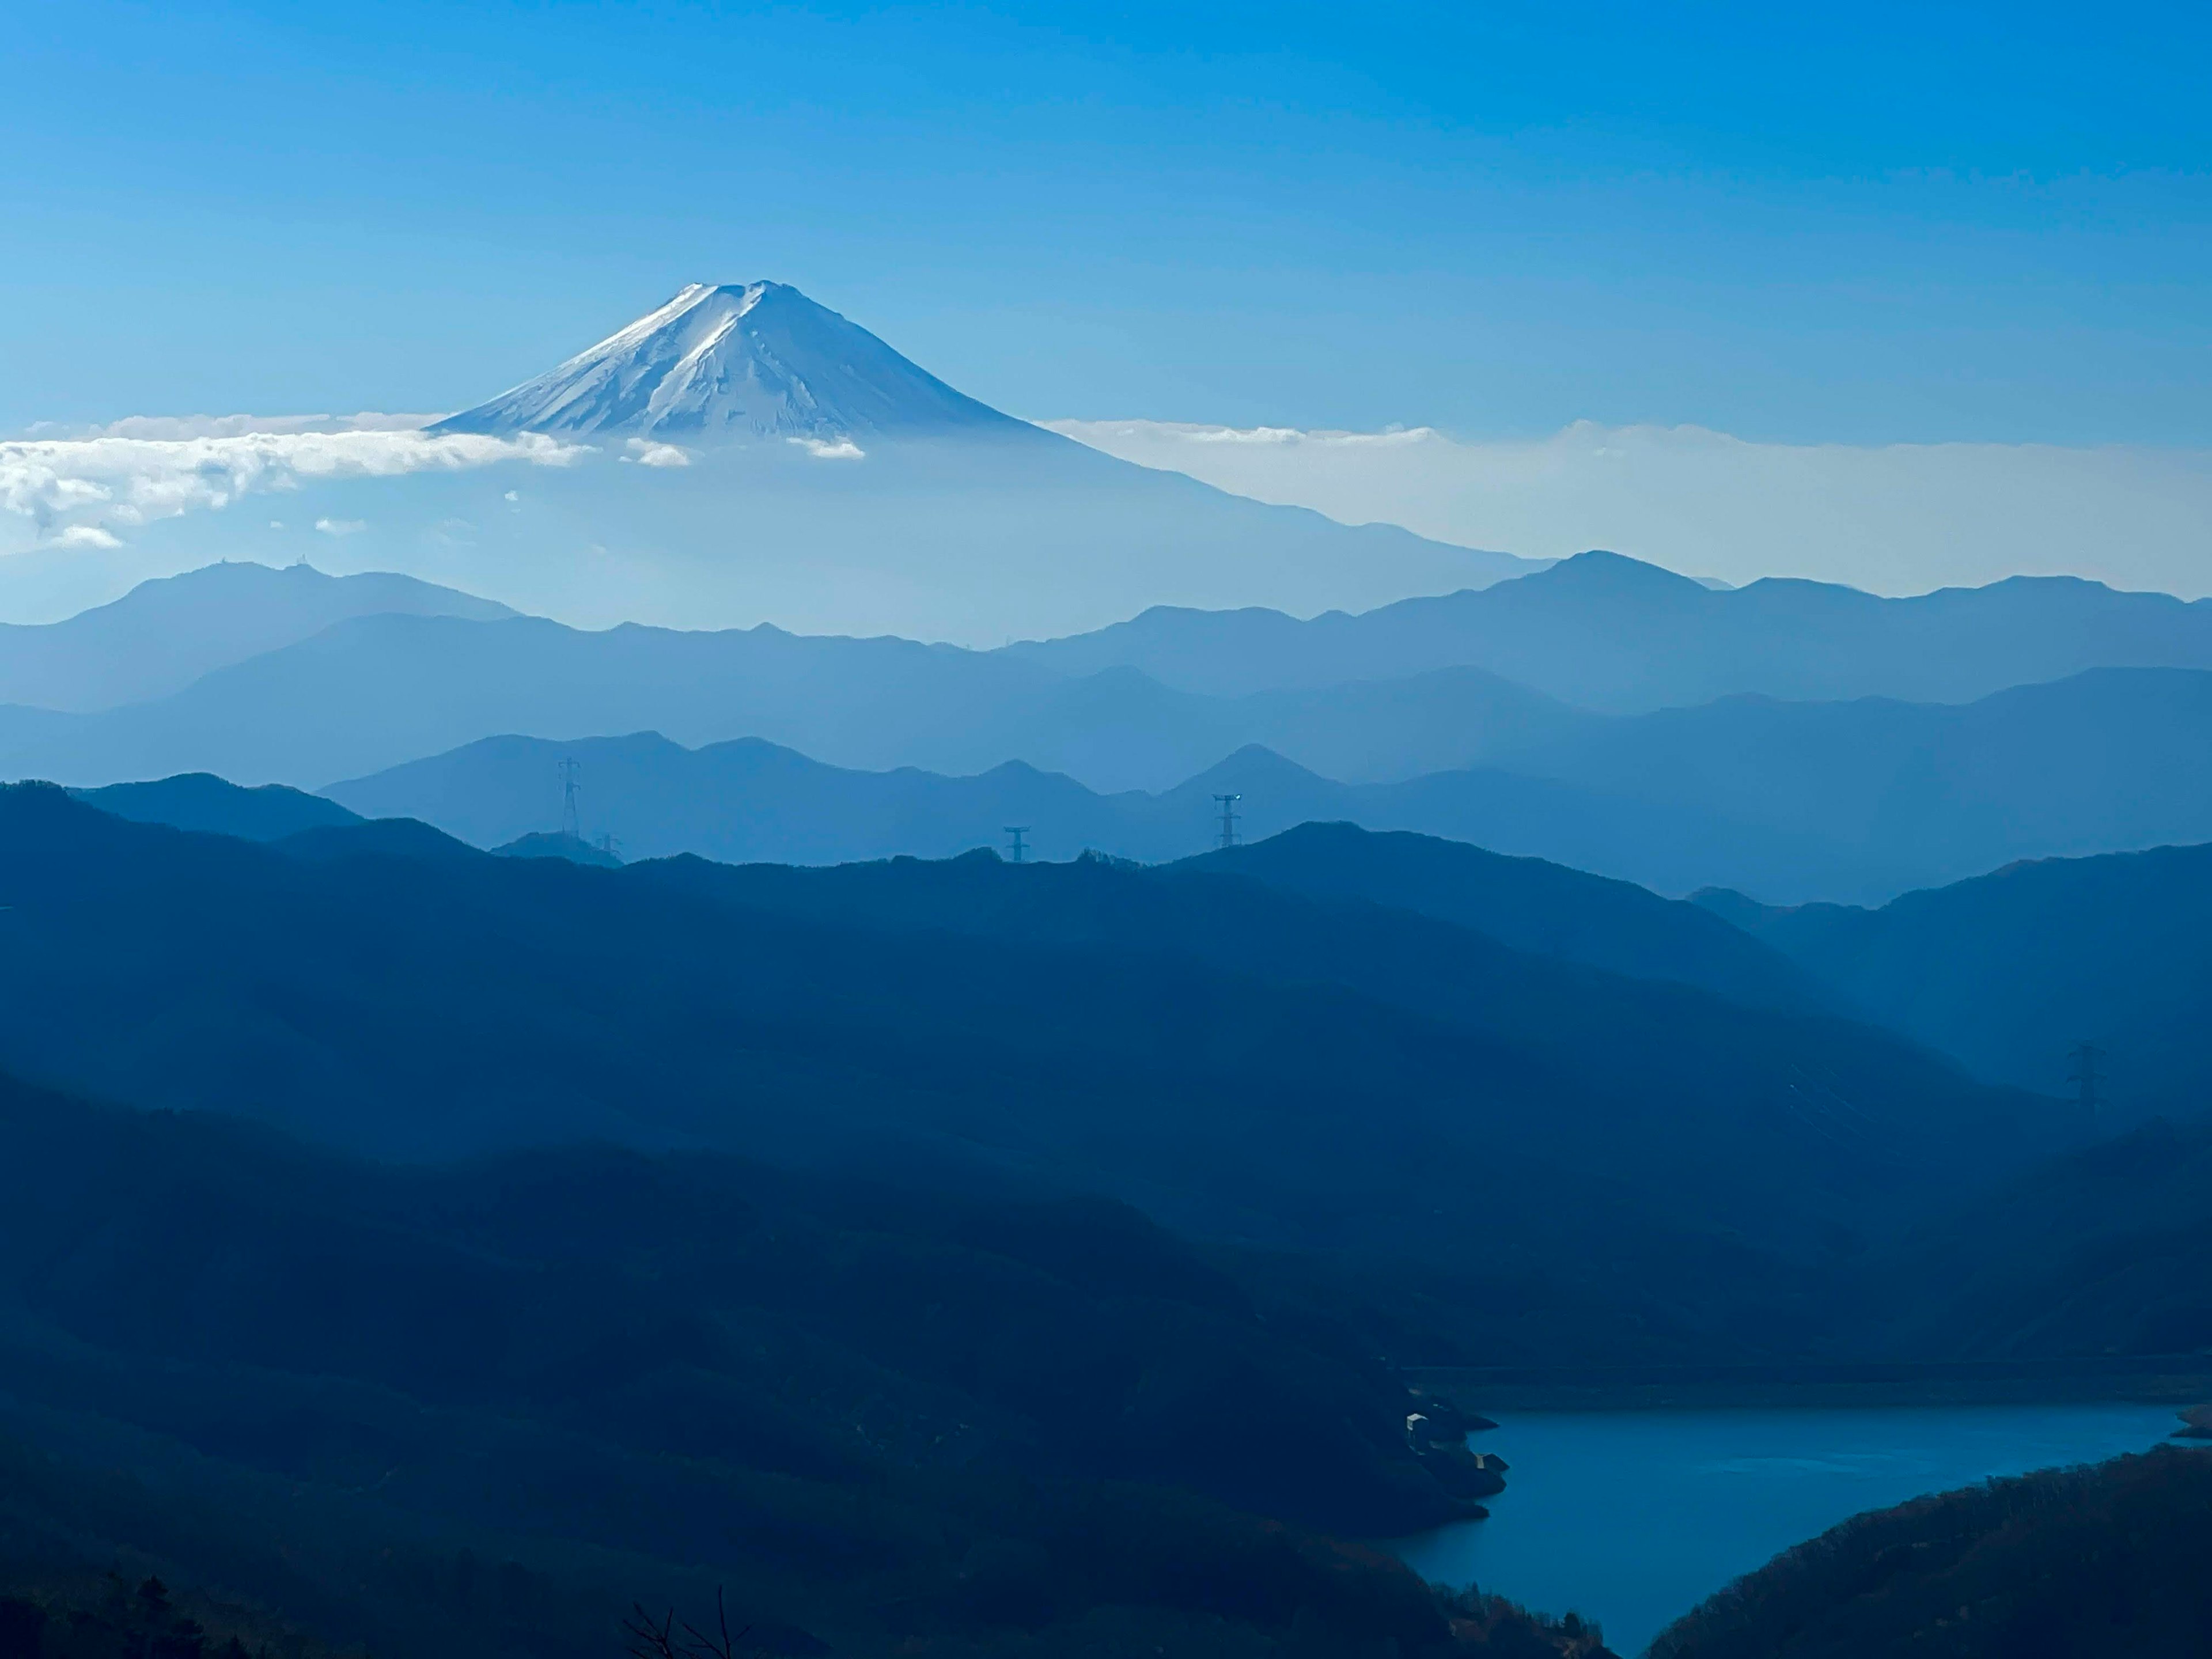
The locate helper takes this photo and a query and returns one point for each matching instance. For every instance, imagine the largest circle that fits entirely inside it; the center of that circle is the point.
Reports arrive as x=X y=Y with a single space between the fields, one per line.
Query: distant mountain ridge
x=1793 y=802
x=202 y=801
x=165 y=634
x=747 y=800
x=749 y=360
x=1612 y=634
x=374 y=691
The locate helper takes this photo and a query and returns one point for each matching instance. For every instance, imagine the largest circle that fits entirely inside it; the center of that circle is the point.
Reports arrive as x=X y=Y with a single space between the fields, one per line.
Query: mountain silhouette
x=1608 y=633
x=200 y=800
x=165 y=634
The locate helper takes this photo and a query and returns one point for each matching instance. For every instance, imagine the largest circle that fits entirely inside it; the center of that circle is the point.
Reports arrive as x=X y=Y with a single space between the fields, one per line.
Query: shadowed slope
x=2010 y=970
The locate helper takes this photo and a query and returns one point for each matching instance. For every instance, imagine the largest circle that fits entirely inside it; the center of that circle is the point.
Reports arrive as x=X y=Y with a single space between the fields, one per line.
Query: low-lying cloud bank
x=88 y=491
x=1896 y=519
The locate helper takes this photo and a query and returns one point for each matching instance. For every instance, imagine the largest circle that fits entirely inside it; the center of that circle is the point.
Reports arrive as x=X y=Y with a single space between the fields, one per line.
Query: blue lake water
x=1631 y=1518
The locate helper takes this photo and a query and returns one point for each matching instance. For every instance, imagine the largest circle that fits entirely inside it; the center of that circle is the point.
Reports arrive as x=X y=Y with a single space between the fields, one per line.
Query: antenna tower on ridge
x=570 y=768
x=1018 y=852
x=2084 y=1077
x=1227 y=832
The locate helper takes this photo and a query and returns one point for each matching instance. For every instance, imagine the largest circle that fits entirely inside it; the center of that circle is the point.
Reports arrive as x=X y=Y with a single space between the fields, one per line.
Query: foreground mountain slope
x=2010 y=970
x=2095 y=1252
x=443 y=1411
x=1609 y=633
x=164 y=635
x=2067 y=1564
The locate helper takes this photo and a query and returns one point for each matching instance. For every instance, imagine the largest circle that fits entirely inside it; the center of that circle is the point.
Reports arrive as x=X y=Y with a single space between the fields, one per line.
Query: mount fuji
x=742 y=455
x=755 y=360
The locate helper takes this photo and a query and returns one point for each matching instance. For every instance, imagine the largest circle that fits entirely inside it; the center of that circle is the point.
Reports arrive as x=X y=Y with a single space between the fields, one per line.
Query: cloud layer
x=89 y=491
x=1896 y=519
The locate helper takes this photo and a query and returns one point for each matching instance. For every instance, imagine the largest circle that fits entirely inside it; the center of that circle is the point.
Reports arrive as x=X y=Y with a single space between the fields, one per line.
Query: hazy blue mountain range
x=2009 y=970
x=164 y=635
x=1790 y=801
x=1914 y=794
x=1608 y=633
x=749 y=801
x=377 y=690
x=1849 y=801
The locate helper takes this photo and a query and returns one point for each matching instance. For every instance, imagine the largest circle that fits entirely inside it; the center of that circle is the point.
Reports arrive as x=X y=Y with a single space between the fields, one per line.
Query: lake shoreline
x=1631 y=1517
x=2177 y=1380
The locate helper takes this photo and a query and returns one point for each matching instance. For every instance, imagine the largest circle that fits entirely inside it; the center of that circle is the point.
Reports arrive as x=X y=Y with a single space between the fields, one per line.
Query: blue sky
x=1864 y=224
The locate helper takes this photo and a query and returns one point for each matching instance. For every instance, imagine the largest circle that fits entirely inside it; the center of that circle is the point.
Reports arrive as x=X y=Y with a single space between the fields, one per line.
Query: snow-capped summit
x=751 y=360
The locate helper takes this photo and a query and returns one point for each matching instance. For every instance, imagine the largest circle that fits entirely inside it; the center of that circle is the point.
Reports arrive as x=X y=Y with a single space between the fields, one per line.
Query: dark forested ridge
x=483 y=1407
x=2068 y=1563
x=1238 y=1060
x=1531 y=904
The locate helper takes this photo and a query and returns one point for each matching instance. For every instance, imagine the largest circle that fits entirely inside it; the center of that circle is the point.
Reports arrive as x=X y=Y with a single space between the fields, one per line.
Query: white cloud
x=115 y=481
x=342 y=526
x=87 y=535
x=174 y=428
x=1896 y=518
x=844 y=449
x=646 y=453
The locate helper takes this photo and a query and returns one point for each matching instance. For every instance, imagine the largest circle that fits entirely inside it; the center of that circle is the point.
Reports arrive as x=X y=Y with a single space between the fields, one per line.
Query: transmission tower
x=1227 y=832
x=2084 y=1077
x=570 y=768
x=1019 y=849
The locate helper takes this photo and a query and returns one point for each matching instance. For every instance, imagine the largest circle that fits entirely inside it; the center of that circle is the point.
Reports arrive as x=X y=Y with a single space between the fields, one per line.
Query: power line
x=569 y=768
x=1227 y=832
x=1020 y=849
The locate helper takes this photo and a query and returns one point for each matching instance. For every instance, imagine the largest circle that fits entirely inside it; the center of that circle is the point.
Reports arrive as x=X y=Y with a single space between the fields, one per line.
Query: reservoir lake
x=1633 y=1517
